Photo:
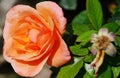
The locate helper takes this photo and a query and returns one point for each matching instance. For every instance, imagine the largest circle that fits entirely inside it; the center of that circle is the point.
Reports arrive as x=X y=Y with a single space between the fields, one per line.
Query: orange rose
x=32 y=37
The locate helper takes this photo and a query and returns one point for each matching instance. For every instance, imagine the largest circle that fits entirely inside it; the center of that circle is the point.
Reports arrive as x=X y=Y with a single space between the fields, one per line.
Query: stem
x=97 y=62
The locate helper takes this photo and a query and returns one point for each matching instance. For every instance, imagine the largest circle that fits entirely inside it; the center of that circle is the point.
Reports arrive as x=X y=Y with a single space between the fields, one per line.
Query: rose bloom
x=32 y=37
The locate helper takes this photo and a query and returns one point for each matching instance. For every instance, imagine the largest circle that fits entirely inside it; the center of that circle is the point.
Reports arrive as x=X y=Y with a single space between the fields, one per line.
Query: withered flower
x=101 y=45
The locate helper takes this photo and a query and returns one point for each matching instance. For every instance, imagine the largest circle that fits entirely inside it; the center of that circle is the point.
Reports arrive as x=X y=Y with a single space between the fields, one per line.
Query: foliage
x=83 y=25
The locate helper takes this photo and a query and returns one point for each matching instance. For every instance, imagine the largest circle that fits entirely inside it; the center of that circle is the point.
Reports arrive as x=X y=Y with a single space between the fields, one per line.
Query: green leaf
x=71 y=70
x=85 y=37
x=80 y=23
x=116 y=71
x=118 y=32
x=68 y=4
x=117 y=41
x=112 y=27
x=88 y=58
x=106 y=74
x=78 y=29
x=86 y=75
x=76 y=50
x=94 y=12
x=81 y=18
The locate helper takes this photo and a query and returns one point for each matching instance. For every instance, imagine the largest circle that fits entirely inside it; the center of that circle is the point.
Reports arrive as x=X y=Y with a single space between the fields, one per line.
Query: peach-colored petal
x=33 y=34
x=60 y=54
x=20 y=55
x=5 y=48
x=13 y=16
x=24 y=54
x=44 y=50
x=16 y=16
x=51 y=9
x=28 y=69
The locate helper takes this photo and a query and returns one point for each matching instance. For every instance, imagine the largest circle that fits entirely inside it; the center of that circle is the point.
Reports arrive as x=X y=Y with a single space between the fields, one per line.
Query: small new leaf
x=76 y=50
x=85 y=37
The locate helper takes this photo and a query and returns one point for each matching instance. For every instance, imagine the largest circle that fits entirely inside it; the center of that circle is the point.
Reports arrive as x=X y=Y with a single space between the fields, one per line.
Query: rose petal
x=27 y=55
x=33 y=35
x=61 y=54
x=13 y=49
x=28 y=69
x=103 y=31
x=51 y=9
x=5 y=48
x=13 y=16
x=110 y=50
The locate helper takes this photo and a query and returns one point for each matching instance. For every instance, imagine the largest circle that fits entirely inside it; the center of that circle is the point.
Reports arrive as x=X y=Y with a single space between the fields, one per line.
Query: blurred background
x=70 y=7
